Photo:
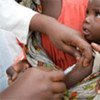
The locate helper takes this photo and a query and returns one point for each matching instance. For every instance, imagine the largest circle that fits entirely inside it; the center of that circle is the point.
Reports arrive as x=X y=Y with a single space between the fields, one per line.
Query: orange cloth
x=72 y=15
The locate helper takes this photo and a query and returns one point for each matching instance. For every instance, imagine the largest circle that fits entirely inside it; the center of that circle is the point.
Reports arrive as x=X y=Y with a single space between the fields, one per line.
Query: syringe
x=68 y=70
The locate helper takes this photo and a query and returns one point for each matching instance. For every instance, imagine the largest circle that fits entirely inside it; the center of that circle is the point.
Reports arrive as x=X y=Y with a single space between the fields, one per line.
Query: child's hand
x=78 y=74
x=12 y=75
x=14 y=71
x=98 y=87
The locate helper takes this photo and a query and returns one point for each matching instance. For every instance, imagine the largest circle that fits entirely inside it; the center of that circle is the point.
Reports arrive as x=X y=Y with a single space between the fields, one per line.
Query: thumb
x=95 y=46
x=14 y=76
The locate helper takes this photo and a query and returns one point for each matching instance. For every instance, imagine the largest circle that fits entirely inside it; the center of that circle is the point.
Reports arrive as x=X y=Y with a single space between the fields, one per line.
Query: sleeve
x=15 y=18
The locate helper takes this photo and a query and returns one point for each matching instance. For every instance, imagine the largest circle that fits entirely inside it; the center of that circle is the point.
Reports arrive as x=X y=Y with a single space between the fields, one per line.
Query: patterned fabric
x=84 y=90
x=27 y=3
x=36 y=54
x=31 y=4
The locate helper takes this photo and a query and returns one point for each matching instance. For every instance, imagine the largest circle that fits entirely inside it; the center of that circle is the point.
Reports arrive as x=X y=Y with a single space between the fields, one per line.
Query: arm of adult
x=15 y=18
x=23 y=18
x=36 y=84
x=62 y=36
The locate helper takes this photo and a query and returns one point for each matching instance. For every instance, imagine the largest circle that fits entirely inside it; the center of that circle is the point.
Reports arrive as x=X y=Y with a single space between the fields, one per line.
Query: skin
x=96 y=46
x=71 y=79
x=50 y=82
x=75 y=74
x=91 y=28
x=56 y=6
x=14 y=70
x=51 y=87
x=62 y=37
x=93 y=25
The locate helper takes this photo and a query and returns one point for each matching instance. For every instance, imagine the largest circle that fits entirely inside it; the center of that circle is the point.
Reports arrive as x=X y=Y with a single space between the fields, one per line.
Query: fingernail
x=77 y=58
x=98 y=91
x=94 y=44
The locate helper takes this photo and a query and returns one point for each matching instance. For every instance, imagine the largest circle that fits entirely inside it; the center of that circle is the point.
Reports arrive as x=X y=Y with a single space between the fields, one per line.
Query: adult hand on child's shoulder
x=96 y=47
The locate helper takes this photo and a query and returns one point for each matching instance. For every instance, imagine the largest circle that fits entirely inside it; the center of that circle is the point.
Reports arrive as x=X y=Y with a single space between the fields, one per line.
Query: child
x=91 y=30
x=60 y=12
x=37 y=55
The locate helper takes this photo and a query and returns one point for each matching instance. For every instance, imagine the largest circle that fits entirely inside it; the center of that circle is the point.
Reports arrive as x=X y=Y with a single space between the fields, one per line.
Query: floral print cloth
x=84 y=90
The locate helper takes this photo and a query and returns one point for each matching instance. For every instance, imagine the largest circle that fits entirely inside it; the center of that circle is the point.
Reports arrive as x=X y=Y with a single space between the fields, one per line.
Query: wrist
x=42 y=23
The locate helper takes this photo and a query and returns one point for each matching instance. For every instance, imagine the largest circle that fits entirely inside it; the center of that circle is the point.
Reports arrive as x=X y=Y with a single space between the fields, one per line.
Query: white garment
x=6 y=58
x=15 y=18
x=9 y=49
x=14 y=23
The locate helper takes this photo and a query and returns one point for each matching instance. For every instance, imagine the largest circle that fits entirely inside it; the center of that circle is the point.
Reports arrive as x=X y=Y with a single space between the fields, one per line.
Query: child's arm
x=77 y=75
x=12 y=75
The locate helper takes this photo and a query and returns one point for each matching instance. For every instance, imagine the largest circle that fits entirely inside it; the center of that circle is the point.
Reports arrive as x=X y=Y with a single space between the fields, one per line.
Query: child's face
x=91 y=27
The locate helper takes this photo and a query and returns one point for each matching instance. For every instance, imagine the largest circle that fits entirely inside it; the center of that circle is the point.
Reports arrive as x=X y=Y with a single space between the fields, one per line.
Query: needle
x=66 y=71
